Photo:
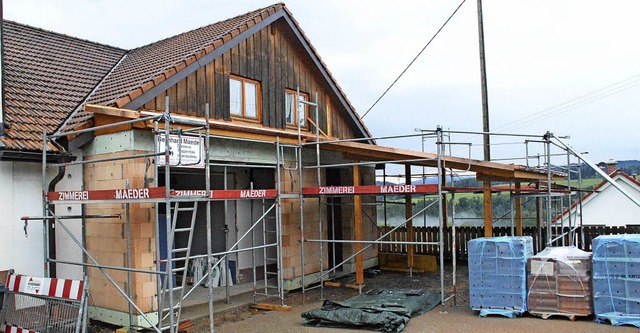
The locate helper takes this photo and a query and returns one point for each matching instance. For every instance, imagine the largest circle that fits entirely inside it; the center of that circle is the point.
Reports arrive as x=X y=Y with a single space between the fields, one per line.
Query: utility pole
x=483 y=80
x=488 y=211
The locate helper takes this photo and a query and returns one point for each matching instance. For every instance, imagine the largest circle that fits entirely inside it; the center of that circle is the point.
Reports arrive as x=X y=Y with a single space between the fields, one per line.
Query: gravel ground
x=450 y=318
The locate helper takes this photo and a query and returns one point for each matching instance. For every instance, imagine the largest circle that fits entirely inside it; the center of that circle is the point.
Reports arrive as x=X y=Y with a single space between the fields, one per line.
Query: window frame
x=295 y=105
x=243 y=104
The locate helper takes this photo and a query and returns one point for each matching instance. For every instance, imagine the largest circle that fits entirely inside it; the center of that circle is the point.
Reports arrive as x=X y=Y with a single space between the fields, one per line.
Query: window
x=244 y=97
x=296 y=112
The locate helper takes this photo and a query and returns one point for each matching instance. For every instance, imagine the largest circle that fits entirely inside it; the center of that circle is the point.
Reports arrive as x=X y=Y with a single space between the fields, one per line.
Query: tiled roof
x=46 y=76
x=145 y=67
x=149 y=65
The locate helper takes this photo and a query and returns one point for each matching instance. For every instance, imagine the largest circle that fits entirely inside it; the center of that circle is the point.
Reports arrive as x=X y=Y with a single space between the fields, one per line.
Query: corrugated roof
x=46 y=76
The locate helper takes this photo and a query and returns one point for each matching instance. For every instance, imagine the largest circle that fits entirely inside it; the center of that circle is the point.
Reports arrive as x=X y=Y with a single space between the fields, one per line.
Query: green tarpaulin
x=386 y=310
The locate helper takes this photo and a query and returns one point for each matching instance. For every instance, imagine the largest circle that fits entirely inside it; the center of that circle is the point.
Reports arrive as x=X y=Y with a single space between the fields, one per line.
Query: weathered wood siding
x=275 y=58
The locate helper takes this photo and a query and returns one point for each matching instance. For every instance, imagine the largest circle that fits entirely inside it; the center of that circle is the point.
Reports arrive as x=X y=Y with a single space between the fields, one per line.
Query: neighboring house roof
x=49 y=75
x=46 y=76
x=616 y=175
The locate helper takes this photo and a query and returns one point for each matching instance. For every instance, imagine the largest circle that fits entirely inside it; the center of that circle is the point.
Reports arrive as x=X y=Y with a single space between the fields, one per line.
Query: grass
x=591 y=182
x=586 y=183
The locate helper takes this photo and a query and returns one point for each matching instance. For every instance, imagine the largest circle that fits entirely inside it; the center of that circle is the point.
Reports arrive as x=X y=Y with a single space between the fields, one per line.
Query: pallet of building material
x=497 y=275
x=559 y=283
x=616 y=279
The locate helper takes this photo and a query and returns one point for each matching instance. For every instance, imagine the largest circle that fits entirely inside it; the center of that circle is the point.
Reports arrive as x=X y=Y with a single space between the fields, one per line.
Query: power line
x=414 y=59
x=574 y=103
x=569 y=105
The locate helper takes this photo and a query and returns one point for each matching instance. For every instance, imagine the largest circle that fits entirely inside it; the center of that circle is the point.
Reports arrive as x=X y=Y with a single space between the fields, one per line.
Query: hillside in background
x=469 y=206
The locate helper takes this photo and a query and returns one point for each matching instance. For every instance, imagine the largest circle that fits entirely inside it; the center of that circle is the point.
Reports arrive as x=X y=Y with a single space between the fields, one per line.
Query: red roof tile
x=46 y=76
x=162 y=59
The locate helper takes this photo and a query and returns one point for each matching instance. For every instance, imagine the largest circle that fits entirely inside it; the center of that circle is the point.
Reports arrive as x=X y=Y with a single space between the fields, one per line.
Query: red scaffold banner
x=371 y=189
x=119 y=194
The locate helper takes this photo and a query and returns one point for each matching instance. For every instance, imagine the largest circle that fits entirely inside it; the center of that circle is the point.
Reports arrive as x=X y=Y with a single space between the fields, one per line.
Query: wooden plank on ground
x=272 y=307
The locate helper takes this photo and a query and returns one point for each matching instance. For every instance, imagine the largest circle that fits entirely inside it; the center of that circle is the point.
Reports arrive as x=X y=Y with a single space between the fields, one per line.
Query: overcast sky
x=570 y=67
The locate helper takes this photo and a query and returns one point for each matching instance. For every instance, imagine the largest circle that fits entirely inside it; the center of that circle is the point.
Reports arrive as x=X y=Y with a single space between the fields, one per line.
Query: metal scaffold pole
x=442 y=222
x=279 y=220
x=320 y=215
x=45 y=207
x=569 y=215
x=156 y=214
x=168 y=226
x=207 y=171
x=301 y=198
x=547 y=145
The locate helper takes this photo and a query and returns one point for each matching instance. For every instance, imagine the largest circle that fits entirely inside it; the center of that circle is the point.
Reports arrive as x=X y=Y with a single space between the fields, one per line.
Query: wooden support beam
x=316 y=126
x=357 y=212
x=518 y=203
x=272 y=307
x=408 y=213
x=488 y=210
x=445 y=203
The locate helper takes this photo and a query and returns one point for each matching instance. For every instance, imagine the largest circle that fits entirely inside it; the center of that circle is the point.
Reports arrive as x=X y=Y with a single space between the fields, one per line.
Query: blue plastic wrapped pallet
x=616 y=279
x=498 y=275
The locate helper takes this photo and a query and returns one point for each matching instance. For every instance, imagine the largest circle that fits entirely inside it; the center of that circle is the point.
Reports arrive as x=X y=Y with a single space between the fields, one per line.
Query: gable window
x=296 y=112
x=243 y=99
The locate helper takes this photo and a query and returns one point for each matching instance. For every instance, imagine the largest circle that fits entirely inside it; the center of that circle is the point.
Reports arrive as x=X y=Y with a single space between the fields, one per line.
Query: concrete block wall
x=291 y=252
x=369 y=229
x=290 y=209
x=106 y=238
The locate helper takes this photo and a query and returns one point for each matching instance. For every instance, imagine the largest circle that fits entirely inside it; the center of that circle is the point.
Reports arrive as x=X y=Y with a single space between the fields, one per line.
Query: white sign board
x=34 y=285
x=186 y=151
x=544 y=268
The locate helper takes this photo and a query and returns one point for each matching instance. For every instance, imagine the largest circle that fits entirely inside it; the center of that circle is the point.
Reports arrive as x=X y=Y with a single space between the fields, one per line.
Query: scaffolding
x=171 y=294
x=554 y=200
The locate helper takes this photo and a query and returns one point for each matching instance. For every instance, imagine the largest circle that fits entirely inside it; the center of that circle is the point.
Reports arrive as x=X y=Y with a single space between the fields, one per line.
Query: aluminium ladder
x=178 y=255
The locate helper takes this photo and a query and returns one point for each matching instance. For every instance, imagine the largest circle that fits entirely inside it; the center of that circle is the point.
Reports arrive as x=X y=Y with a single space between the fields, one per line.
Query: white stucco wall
x=21 y=189
x=612 y=208
x=66 y=248
x=21 y=185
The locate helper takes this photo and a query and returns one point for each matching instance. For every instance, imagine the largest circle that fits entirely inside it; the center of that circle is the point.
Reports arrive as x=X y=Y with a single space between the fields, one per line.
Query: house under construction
x=229 y=147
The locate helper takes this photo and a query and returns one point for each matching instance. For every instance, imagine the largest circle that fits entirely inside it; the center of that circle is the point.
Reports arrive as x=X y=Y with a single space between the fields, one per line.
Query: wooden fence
x=464 y=234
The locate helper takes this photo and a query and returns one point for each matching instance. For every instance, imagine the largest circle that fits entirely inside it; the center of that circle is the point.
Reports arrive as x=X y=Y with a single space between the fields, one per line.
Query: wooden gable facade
x=276 y=59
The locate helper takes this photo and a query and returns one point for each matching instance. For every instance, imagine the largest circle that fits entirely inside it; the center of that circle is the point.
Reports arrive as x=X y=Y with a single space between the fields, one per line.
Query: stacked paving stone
x=498 y=275
x=559 y=282
x=616 y=279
